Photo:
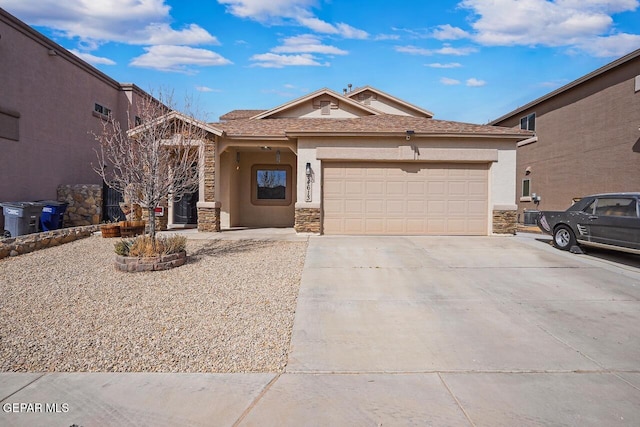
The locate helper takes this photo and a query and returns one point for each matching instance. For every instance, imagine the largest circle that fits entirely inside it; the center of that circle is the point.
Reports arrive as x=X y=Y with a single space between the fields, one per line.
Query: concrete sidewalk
x=484 y=331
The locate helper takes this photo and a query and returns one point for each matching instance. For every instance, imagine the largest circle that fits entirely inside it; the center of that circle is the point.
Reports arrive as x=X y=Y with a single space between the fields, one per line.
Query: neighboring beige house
x=587 y=138
x=362 y=162
x=50 y=101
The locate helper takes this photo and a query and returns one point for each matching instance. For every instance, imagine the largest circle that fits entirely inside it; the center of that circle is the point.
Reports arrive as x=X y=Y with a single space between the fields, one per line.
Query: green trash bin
x=21 y=217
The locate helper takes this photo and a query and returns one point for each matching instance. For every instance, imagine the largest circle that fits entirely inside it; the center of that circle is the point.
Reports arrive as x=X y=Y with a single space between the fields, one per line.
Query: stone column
x=209 y=209
x=505 y=219
x=307 y=218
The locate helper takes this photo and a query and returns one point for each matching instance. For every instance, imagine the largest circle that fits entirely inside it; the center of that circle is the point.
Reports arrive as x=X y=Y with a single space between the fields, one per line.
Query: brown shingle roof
x=380 y=124
x=240 y=114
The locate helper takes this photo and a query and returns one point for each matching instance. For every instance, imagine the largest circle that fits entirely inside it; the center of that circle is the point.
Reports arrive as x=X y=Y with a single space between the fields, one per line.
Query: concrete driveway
x=461 y=331
x=483 y=331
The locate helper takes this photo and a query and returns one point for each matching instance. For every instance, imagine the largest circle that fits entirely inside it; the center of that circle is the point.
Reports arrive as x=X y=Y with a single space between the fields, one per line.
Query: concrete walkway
x=485 y=331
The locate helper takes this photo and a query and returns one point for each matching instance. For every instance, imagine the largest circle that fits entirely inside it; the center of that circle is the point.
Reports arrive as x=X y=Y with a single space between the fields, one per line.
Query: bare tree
x=153 y=159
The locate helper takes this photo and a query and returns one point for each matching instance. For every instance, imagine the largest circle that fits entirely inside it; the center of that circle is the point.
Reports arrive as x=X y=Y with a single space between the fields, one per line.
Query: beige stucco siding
x=234 y=189
x=587 y=141
x=54 y=93
x=500 y=154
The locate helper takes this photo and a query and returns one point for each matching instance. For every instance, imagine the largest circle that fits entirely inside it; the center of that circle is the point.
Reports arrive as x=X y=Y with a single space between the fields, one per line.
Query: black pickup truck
x=610 y=221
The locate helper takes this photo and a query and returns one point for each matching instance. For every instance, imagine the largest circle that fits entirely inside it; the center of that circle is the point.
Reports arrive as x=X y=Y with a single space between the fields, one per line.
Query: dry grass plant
x=143 y=246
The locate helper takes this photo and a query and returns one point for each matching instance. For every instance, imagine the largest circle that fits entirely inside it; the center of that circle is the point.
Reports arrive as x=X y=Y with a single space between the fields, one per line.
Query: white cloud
x=449 y=82
x=349 y=32
x=272 y=60
x=447 y=32
x=206 y=89
x=290 y=12
x=92 y=59
x=573 y=23
x=137 y=22
x=387 y=37
x=307 y=43
x=445 y=50
x=266 y=11
x=456 y=51
x=413 y=50
x=177 y=58
x=448 y=65
x=610 y=46
x=473 y=82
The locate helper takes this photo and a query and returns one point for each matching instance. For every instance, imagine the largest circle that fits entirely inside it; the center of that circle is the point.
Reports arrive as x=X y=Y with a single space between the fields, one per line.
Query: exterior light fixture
x=308 y=169
x=278 y=157
x=410 y=133
x=237 y=160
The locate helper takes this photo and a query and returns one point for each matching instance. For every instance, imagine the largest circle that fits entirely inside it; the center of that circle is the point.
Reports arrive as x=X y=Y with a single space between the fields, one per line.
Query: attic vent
x=365 y=98
x=325 y=106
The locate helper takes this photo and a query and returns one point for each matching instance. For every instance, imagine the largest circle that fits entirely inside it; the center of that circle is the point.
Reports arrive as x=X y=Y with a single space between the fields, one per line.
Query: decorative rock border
x=157 y=263
x=19 y=245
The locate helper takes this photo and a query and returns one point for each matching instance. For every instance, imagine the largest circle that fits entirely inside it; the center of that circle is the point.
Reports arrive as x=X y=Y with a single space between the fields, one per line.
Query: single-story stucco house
x=360 y=162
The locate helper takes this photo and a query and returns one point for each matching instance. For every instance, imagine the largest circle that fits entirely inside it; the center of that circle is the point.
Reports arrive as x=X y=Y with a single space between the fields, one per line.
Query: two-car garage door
x=405 y=198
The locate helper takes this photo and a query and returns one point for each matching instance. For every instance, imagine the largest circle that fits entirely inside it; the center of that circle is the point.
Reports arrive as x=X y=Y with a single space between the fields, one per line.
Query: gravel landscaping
x=229 y=309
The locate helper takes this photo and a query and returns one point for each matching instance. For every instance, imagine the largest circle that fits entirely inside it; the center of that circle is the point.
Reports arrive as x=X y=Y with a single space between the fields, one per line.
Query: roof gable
x=175 y=116
x=323 y=103
x=385 y=103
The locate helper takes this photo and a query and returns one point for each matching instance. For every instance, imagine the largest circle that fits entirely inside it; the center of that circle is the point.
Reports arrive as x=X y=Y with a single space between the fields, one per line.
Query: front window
x=271 y=185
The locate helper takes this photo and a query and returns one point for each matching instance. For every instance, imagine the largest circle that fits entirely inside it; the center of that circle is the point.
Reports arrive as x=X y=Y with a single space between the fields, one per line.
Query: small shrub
x=142 y=246
x=123 y=247
x=174 y=244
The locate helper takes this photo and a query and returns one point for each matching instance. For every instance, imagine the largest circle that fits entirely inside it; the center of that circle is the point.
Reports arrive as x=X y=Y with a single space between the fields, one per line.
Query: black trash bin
x=21 y=217
x=52 y=213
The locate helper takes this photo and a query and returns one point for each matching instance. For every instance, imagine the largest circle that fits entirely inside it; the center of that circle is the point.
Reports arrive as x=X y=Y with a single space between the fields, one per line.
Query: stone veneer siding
x=208 y=219
x=85 y=204
x=505 y=221
x=209 y=170
x=32 y=242
x=307 y=220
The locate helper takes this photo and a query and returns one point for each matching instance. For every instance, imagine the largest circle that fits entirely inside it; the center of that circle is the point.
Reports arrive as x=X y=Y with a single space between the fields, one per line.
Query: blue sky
x=464 y=60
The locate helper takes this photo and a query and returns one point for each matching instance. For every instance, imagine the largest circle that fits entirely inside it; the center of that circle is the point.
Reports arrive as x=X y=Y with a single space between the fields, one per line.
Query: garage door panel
x=374 y=225
x=356 y=224
x=374 y=188
x=395 y=188
x=388 y=198
x=354 y=207
x=436 y=188
x=395 y=225
x=395 y=207
x=416 y=188
x=374 y=206
x=456 y=207
x=477 y=207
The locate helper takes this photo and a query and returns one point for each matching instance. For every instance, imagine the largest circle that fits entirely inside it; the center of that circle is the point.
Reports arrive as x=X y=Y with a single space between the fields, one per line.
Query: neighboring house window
x=526 y=187
x=101 y=110
x=137 y=121
x=9 y=124
x=271 y=185
x=528 y=122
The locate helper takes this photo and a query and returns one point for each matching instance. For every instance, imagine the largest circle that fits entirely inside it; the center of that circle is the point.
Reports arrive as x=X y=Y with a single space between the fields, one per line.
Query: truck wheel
x=563 y=238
